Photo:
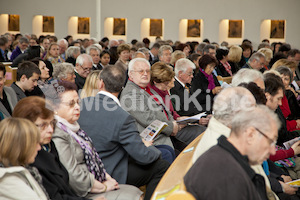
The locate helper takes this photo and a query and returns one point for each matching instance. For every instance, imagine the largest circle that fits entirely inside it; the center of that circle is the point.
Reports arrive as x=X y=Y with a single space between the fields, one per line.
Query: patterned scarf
x=227 y=67
x=91 y=156
x=210 y=78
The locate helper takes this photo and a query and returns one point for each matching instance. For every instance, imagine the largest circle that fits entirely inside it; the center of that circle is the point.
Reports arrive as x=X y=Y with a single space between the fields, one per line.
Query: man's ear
x=268 y=96
x=101 y=85
x=180 y=73
x=23 y=78
x=251 y=135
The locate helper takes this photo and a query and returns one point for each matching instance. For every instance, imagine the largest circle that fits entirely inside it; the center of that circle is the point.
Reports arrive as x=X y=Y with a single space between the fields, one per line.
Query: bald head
x=230 y=101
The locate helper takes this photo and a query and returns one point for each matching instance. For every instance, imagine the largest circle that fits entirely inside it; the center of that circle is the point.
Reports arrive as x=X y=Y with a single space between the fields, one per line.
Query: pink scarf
x=210 y=78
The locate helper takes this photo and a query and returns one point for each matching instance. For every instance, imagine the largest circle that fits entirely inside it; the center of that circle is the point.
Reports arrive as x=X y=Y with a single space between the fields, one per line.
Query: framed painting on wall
x=277 y=29
x=83 y=25
x=235 y=28
x=48 y=24
x=193 y=28
x=156 y=27
x=13 y=22
x=119 y=27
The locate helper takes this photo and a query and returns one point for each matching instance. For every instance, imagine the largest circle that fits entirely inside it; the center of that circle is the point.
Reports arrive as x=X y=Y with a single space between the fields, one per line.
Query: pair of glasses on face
x=141 y=72
x=86 y=69
x=45 y=125
x=272 y=142
x=72 y=103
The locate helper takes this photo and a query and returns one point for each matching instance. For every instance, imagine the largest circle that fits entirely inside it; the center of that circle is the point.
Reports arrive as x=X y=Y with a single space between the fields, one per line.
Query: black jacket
x=178 y=104
x=55 y=176
x=205 y=97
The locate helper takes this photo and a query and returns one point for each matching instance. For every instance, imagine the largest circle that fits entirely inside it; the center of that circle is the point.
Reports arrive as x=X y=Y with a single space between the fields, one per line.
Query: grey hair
x=98 y=46
x=200 y=47
x=182 y=65
x=82 y=57
x=61 y=70
x=94 y=47
x=256 y=56
x=63 y=41
x=246 y=76
x=133 y=61
x=230 y=101
x=207 y=47
x=72 y=50
x=163 y=48
x=144 y=50
x=259 y=117
x=94 y=40
x=137 y=53
x=23 y=40
x=113 y=41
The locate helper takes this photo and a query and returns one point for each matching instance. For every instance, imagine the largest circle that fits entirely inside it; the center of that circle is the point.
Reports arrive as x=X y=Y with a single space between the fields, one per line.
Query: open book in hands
x=153 y=130
x=192 y=118
x=295 y=183
x=289 y=143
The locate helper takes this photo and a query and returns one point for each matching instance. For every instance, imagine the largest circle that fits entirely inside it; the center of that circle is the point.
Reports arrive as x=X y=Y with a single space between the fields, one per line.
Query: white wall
x=212 y=12
x=62 y=10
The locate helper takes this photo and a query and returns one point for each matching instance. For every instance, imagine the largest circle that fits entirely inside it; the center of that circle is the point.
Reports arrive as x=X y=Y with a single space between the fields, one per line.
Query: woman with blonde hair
x=292 y=66
x=176 y=55
x=90 y=88
x=268 y=56
x=53 y=54
x=19 y=144
x=234 y=56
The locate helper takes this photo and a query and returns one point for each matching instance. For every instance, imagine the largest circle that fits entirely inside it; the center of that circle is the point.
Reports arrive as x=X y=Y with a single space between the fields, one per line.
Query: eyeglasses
x=45 y=125
x=272 y=142
x=190 y=74
x=86 y=69
x=141 y=72
x=72 y=103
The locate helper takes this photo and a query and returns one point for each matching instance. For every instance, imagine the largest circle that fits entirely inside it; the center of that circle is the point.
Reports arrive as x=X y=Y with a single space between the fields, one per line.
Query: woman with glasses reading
x=55 y=177
x=78 y=155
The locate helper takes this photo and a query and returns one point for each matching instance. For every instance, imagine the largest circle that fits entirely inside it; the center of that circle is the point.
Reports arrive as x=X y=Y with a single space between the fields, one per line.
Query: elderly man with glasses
x=84 y=64
x=146 y=105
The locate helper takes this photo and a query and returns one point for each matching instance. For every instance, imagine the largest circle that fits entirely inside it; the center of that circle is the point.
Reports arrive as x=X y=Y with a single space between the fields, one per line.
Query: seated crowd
x=71 y=122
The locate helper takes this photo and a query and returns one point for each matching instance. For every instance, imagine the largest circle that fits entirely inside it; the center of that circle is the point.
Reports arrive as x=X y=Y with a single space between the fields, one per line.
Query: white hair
x=61 y=70
x=182 y=65
x=113 y=43
x=94 y=40
x=72 y=50
x=133 y=61
x=246 y=76
x=230 y=101
x=259 y=117
x=63 y=41
x=98 y=46
x=94 y=47
x=83 y=57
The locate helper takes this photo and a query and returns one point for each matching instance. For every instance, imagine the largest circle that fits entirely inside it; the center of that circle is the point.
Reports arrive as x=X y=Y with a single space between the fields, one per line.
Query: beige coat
x=17 y=183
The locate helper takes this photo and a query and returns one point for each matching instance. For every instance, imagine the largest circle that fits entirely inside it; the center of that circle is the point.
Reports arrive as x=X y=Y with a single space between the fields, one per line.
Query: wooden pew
x=11 y=75
x=225 y=79
x=172 y=181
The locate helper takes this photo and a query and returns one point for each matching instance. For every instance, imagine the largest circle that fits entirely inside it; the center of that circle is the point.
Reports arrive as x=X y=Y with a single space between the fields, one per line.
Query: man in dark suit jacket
x=84 y=64
x=183 y=78
x=116 y=138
